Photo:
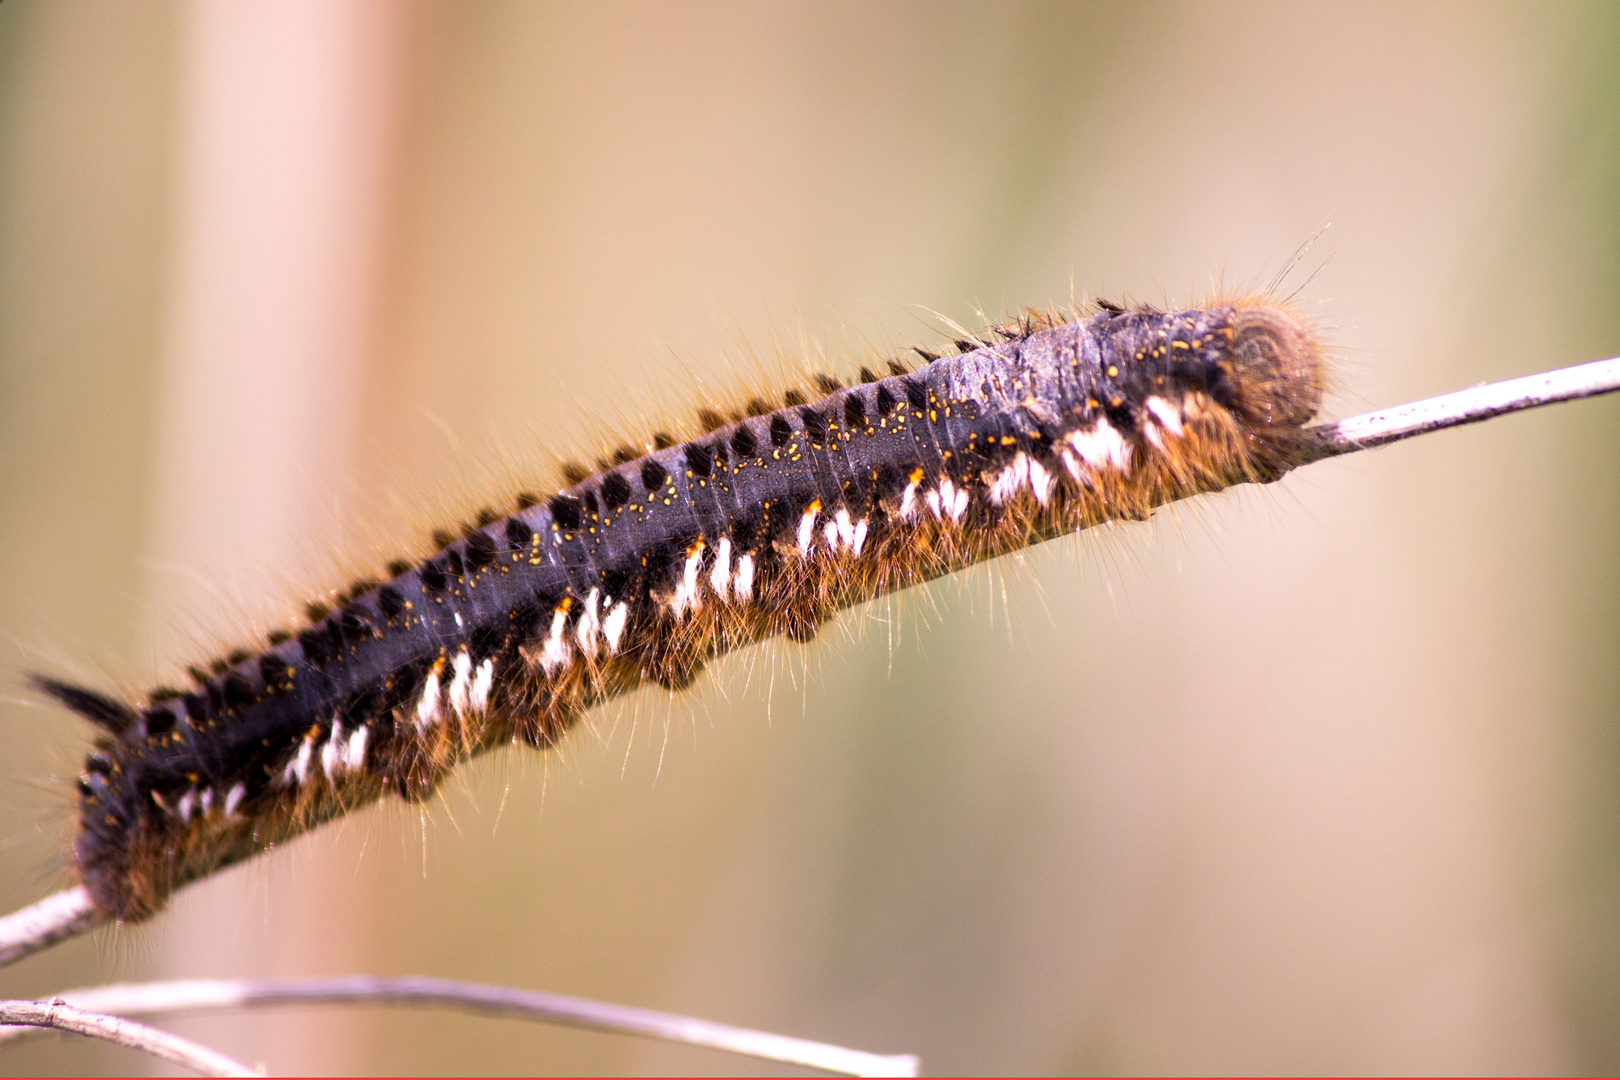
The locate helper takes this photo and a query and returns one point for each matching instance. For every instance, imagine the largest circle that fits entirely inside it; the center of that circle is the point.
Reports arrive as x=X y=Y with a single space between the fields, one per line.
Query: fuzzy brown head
x=1277 y=373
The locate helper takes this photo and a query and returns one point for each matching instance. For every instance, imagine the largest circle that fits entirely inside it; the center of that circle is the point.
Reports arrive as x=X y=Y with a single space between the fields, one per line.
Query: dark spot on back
x=278 y=637
x=827 y=384
x=742 y=441
x=238 y=690
x=663 y=440
x=653 y=475
x=854 y=411
x=157 y=721
x=708 y=419
x=480 y=550
x=272 y=669
x=700 y=459
x=526 y=499
x=781 y=431
x=615 y=491
x=624 y=455
x=360 y=588
x=390 y=601
x=868 y=375
x=442 y=539
x=573 y=472
x=518 y=534
x=486 y=516
x=565 y=511
x=793 y=398
x=885 y=401
x=353 y=625
x=398 y=567
x=916 y=394
x=815 y=425
x=756 y=407
x=433 y=578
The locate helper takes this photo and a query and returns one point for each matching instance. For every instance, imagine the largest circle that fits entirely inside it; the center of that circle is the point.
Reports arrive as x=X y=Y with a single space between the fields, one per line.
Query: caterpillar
x=655 y=563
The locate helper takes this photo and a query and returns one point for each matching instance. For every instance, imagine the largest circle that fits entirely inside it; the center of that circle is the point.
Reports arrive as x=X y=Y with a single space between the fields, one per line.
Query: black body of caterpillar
x=644 y=571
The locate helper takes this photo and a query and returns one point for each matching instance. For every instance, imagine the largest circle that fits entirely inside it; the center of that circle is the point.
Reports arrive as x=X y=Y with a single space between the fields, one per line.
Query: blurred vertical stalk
x=289 y=115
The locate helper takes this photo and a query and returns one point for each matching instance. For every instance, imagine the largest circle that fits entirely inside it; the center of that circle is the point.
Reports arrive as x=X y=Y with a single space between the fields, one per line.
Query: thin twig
x=62 y=915
x=1467 y=407
x=114 y=1029
x=207 y=994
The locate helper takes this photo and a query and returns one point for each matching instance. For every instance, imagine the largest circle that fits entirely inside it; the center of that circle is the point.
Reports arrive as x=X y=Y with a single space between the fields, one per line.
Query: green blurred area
x=1318 y=778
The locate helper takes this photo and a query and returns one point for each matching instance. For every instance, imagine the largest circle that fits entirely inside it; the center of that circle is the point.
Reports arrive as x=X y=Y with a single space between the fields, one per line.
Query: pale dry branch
x=59 y=916
x=114 y=1029
x=1469 y=406
x=190 y=995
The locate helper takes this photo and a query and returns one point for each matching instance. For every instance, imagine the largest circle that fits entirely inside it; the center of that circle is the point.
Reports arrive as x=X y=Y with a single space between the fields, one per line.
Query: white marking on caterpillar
x=1102 y=446
x=207 y=801
x=183 y=808
x=745 y=577
x=555 y=652
x=354 y=755
x=297 y=770
x=1041 y=481
x=460 y=683
x=459 y=623
x=427 y=709
x=720 y=578
x=234 y=797
x=1010 y=479
x=332 y=755
x=686 y=593
x=806 y=525
x=590 y=625
x=908 y=502
x=949 y=501
x=858 y=539
x=613 y=625
x=1072 y=463
x=846 y=528
x=830 y=532
x=1165 y=413
x=482 y=684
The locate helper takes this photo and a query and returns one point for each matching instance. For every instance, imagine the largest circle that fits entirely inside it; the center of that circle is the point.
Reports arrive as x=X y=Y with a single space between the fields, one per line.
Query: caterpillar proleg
x=644 y=570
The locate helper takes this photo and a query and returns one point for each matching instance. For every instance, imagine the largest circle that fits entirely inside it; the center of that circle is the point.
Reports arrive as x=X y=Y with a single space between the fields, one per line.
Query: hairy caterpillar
x=766 y=524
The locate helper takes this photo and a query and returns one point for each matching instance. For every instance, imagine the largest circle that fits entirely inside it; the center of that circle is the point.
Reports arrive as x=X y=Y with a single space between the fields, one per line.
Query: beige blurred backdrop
x=1323 y=777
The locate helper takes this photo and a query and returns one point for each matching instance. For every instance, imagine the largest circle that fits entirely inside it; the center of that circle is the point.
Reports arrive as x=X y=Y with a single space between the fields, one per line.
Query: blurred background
x=1322 y=777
